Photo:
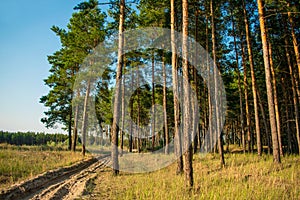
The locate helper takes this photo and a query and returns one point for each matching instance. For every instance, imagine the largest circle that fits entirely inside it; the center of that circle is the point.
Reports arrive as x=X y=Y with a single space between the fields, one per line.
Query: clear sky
x=25 y=42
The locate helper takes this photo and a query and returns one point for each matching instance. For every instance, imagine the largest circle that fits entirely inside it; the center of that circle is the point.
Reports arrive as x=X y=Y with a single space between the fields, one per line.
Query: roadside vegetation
x=18 y=163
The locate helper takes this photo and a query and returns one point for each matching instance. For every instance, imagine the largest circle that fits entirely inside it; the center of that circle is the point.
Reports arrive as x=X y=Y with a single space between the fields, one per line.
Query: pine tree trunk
x=239 y=80
x=75 y=133
x=294 y=37
x=85 y=117
x=116 y=114
x=246 y=96
x=165 y=106
x=276 y=153
x=295 y=100
x=250 y=54
x=153 y=104
x=188 y=168
x=218 y=132
x=177 y=135
x=277 y=114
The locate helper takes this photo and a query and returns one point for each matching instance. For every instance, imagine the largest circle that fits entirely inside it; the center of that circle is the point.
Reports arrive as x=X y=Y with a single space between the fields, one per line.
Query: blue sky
x=25 y=42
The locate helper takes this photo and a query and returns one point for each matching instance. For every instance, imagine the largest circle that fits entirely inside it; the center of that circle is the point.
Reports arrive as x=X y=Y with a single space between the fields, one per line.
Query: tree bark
x=218 y=132
x=116 y=114
x=246 y=96
x=153 y=104
x=250 y=54
x=294 y=37
x=277 y=114
x=295 y=100
x=85 y=117
x=177 y=138
x=165 y=105
x=188 y=168
x=239 y=80
x=276 y=153
x=75 y=133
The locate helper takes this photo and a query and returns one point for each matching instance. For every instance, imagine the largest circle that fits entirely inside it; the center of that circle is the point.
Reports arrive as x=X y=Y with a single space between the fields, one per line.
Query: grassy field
x=18 y=163
x=244 y=177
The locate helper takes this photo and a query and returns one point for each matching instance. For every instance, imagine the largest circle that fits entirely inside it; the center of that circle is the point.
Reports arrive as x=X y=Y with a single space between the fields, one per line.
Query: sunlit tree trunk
x=276 y=153
x=250 y=54
x=188 y=165
x=217 y=92
x=75 y=132
x=116 y=113
x=295 y=100
x=177 y=136
x=85 y=116
x=277 y=114
x=153 y=103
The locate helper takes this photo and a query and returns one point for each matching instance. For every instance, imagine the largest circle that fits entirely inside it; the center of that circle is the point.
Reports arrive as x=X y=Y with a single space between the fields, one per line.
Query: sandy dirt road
x=64 y=183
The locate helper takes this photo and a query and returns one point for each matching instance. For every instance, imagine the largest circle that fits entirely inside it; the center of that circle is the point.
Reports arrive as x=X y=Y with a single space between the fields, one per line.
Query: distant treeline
x=31 y=138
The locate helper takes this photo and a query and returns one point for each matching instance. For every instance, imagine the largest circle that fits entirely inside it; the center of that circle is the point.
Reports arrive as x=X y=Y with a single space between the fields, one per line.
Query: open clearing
x=246 y=176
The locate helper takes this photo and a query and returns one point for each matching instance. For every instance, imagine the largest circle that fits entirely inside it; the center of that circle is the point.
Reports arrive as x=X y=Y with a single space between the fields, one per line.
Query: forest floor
x=245 y=176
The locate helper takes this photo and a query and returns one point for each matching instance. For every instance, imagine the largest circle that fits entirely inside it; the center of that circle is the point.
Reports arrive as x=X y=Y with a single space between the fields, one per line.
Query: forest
x=151 y=99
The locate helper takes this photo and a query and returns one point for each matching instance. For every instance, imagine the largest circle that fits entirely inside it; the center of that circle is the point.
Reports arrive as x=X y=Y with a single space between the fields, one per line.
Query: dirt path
x=64 y=183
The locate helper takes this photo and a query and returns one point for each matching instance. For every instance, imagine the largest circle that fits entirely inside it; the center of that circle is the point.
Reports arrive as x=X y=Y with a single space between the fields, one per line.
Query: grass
x=19 y=163
x=244 y=177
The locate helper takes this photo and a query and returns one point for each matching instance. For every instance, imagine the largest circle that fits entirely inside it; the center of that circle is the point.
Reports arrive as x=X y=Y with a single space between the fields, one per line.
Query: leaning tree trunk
x=250 y=54
x=188 y=168
x=276 y=153
x=116 y=114
x=177 y=135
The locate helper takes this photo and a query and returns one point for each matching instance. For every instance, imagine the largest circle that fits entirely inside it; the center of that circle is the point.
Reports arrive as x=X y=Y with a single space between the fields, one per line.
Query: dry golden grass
x=24 y=162
x=244 y=177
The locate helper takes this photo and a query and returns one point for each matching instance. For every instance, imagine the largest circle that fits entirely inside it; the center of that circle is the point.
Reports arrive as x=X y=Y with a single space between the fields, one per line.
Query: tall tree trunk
x=123 y=110
x=153 y=103
x=85 y=116
x=75 y=132
x=165 y=105
x=116 y=114
x=264 y=121
x=177 y=138
x=217 y=92
x=276 y=153
x=188 y=168
x=250 y=54
x=277 y=114
x=294 y=37
x=295 y=100
x=139 y=111
x=286 y=102
x=246 y=96
x=239 y=80
x=70 y=129
x=195 y=108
